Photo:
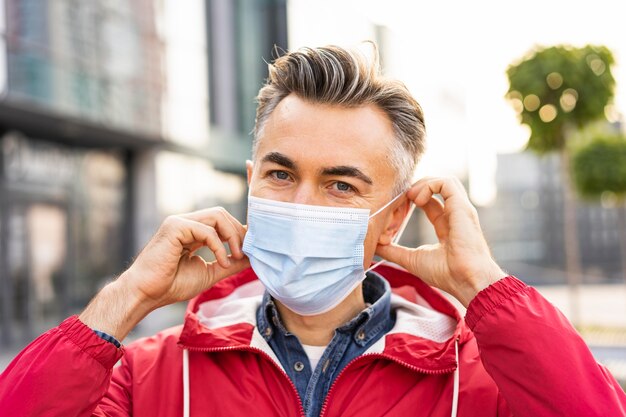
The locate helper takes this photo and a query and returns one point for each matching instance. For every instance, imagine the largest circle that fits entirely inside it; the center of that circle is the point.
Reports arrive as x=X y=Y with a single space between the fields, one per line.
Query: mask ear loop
x=388 y=204
x=398 y=235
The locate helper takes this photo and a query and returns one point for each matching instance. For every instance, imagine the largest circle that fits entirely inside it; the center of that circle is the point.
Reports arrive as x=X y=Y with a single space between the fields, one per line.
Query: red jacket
x=518 y=355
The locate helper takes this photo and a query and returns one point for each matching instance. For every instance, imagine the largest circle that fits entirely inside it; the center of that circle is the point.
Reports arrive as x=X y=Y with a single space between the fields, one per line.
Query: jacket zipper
x=268 y=357
x=367 y=356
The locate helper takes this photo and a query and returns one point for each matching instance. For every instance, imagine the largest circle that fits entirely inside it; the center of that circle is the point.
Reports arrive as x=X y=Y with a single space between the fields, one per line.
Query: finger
x=237 y=253
x=240 y=228
x=194 y=247
x=228 y=227
x=235 y=240
x=214 y=243
x=212 y=216
x=447 y=187
x=190 y=233
x=434 y=210
x=235 y=243
x=217 y=272
x=417 y=186
x=228 y=231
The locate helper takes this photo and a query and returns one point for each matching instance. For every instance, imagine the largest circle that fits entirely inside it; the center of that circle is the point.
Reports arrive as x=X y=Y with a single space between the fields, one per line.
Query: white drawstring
x=185 y=383
x=455 y=393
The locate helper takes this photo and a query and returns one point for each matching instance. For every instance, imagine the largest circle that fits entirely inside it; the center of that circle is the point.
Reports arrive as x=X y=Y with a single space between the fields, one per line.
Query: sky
x=452 y=55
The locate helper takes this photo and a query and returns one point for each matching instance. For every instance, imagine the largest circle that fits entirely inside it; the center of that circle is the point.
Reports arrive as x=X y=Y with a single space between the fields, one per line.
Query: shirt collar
x=363 y=328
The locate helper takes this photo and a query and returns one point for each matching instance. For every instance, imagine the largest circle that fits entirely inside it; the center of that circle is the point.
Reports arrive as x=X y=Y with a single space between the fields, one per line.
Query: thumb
x=217 y=272
x=418 y=261
x=397 y=254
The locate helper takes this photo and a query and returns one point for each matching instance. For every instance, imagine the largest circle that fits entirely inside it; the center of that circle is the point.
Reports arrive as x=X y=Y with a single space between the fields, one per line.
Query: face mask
x=310 y=258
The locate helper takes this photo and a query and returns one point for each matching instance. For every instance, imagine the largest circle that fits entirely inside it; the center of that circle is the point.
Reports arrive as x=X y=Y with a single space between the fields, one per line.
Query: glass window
x=64 y=231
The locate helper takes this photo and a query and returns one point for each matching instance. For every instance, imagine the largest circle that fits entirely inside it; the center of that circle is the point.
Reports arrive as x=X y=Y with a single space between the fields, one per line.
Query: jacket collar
x=223 y=317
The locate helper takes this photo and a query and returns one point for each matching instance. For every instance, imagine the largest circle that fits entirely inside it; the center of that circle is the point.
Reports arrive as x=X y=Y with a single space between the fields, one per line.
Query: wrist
x=480 y=280
x=115 y=310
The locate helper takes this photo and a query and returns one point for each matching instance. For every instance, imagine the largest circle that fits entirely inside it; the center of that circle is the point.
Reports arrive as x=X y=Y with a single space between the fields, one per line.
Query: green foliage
x=600 y=166
x=559 y=89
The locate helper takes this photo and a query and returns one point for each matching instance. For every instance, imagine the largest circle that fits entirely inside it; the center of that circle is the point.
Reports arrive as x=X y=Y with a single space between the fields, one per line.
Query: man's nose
x=307 y=194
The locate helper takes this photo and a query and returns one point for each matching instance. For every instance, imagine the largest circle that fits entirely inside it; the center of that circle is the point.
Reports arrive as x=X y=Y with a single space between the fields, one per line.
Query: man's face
x=329 y=156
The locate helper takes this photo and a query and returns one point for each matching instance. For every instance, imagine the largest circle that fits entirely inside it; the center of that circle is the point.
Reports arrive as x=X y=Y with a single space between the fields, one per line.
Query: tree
x=599 y=170
x=556 y=91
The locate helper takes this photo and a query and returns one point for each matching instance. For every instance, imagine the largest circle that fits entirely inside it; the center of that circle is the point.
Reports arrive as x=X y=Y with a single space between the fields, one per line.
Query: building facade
x=524 y=226
x=110 y=119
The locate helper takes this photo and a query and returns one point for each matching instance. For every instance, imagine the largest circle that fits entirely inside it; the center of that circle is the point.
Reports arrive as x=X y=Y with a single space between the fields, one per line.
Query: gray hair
x=346 y=77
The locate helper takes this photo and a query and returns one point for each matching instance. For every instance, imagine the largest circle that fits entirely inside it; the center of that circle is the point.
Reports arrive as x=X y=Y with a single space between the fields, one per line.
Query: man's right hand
x=167 y=271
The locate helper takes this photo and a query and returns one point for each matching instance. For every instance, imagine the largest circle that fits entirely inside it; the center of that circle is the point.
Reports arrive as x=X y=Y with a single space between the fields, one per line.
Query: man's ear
x=249 y=167
x=394 y=222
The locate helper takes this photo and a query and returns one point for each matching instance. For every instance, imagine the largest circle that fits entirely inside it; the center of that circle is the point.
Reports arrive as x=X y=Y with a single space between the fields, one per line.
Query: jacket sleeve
x=539 y=362
x=65 y=372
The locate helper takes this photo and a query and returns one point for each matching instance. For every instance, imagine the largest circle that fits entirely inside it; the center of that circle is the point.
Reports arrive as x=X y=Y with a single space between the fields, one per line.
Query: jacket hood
x=427 y=323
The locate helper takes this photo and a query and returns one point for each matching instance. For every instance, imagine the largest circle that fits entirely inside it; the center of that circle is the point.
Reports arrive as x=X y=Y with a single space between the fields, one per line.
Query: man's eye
x=344 y=187
x=281 y=175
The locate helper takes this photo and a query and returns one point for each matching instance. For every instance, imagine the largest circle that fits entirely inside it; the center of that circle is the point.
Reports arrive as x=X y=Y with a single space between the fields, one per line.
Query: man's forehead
x=300 y=118
x=328 y=136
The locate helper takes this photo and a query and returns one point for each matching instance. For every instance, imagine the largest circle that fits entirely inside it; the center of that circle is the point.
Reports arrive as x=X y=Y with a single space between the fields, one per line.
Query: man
x=335 y=146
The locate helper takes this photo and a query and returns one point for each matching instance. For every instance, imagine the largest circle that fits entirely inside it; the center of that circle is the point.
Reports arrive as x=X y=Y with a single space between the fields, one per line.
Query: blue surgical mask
x=310 y=258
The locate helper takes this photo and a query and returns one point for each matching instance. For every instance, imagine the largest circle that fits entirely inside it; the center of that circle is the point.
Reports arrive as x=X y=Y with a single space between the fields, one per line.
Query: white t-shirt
x=314 y=353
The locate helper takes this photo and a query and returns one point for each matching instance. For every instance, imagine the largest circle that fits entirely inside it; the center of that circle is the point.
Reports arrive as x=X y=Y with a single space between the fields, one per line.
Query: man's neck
x=319 y=330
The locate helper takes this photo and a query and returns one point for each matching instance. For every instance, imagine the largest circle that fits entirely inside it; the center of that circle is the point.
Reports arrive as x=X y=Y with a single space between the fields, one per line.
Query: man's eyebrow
x=347 y=171
x=280 y=159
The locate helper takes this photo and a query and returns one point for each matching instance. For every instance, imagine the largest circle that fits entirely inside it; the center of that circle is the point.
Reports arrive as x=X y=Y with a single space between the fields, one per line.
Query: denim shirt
x=349 y=342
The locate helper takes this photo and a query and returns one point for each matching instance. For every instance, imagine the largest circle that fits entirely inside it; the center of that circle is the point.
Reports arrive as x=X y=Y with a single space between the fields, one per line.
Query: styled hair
x=334 y=75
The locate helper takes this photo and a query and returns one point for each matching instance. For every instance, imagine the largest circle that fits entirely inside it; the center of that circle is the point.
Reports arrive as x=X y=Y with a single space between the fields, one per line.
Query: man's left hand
x=461 y=263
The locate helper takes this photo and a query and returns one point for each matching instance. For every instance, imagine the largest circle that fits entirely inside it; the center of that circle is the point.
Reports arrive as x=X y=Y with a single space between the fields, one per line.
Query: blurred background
x=115 y=114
